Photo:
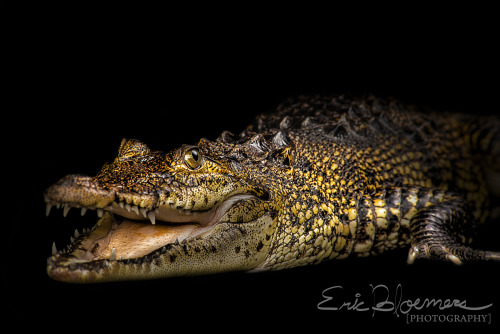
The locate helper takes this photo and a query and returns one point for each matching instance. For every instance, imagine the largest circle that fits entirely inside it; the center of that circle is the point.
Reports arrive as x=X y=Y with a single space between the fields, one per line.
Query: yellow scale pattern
x=352 y=210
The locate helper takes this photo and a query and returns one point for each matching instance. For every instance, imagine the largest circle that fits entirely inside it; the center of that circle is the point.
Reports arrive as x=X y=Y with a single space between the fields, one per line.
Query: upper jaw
x=77 y=191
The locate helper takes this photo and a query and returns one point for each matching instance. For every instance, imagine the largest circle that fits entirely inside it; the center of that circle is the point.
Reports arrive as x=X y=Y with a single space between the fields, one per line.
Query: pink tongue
x=133 y=240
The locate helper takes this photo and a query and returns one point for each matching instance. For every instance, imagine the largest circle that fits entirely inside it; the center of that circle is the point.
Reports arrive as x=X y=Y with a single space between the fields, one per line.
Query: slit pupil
x=195 y=156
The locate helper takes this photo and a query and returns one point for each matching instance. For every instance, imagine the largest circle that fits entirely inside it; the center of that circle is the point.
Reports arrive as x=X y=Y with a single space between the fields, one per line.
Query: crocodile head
x=195 y=210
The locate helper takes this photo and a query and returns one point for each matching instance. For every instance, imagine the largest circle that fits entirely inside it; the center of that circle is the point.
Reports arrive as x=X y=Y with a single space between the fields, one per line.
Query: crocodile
x=319 y=178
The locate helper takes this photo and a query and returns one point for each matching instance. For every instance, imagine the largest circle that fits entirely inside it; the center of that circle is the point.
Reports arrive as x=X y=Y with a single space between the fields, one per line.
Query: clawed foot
x=438 y=232
x=457 y=254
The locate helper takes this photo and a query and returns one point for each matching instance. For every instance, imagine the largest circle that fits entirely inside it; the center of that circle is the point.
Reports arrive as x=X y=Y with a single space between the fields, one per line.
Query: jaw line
x=120 y=228
x=233 y=242
x=169 y=214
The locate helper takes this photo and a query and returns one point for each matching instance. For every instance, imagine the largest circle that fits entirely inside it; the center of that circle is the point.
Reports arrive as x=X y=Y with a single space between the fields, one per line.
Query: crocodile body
x=324 y=177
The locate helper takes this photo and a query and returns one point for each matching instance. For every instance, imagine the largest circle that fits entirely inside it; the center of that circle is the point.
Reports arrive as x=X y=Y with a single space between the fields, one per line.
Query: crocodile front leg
x=436 y=224
x=429 y=222
x=437 y=233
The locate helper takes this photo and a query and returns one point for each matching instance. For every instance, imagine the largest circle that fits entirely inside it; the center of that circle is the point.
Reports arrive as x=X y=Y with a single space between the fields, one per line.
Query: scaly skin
x=321 y=178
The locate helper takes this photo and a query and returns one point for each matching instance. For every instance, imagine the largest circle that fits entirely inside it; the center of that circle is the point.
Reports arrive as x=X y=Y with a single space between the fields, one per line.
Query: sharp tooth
x=84 y=210
x=58 y=205
x=71 y=239
x=187 y=212
x=135 y=209
x=66 y=210
x=121 y=204
x=152 y=217
x=47 y=210
x=77 y=234
x=127 y=206
x=113 y=255
x=100 y=212
x=143 y=211
x=54 y=249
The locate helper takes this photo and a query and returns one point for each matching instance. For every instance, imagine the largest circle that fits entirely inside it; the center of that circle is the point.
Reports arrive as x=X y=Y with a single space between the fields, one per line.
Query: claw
x=412 y=255
x=453 y=259
x=494 y=256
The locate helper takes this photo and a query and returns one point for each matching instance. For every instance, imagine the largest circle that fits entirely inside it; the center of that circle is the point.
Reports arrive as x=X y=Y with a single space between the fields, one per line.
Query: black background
x=78 y=78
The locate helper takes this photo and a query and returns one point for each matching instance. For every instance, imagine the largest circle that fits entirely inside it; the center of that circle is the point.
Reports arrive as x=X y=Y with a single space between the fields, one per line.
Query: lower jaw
x=113 y=240
x=119 y=238
x=116 y=237
x=226 y=247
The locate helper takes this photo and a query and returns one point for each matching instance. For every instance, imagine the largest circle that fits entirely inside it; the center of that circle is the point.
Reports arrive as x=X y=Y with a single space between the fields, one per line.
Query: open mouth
x=129 y=233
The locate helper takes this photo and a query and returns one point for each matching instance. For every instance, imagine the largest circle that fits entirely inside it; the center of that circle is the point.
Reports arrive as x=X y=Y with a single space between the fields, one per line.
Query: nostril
x=78 y=190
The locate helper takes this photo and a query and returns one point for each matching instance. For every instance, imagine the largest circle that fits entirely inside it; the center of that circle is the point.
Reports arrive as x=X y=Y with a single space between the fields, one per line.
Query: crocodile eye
x=192 y=158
